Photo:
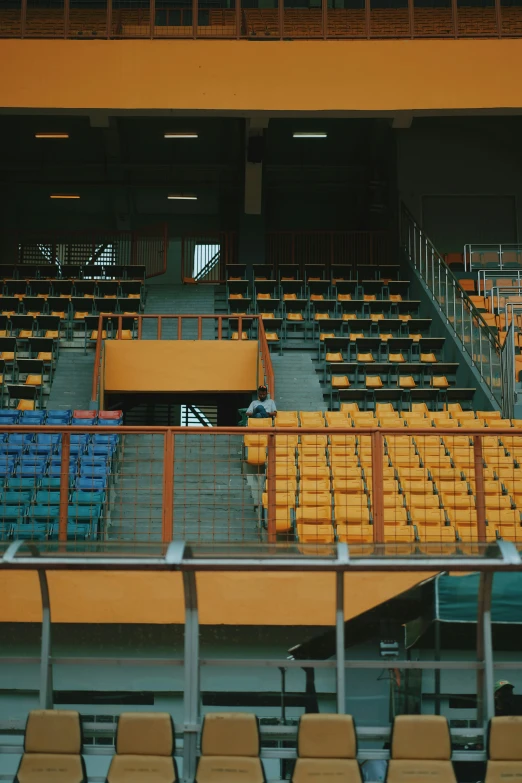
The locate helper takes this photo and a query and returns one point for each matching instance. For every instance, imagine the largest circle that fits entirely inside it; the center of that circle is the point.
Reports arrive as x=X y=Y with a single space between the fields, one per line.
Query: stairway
x=212 y=499
x=179 y=300
x=297 y=383
x=72 y=381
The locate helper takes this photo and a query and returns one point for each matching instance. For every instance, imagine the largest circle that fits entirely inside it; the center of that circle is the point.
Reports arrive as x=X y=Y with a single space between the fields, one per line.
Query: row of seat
x=100 y=271
x=323 y=481
x=42 y=288
x=145 y=747
x=54 y=417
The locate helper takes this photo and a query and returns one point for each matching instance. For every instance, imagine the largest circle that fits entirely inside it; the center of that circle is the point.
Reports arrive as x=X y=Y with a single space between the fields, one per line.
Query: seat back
x=52 y=748
x=504 y=749
x=327 y=749
x=145 y=734
x=421 y=750
x=230 y=749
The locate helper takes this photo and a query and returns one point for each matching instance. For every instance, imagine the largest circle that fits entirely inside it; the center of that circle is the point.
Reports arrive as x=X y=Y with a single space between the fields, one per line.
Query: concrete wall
x=461 y=177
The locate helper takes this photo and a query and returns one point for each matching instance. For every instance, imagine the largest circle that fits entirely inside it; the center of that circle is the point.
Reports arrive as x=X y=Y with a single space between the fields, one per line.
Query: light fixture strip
x=61 y=196
x=310 y=135
x=180 y=135
x=180 y=197
x=51 y=135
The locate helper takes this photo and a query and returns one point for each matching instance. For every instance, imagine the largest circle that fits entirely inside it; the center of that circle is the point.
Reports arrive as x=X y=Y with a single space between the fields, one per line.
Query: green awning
x=456 y=598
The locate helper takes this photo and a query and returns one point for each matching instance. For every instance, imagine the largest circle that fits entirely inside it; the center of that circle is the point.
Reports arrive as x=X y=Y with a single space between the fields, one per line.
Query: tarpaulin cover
x=456 y=598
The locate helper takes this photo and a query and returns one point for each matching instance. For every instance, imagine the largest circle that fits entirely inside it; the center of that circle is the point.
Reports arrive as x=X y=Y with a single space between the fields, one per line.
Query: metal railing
x=188 y=327
x=146 y=247
x=509 y=368
x=240 y=22
x=403 y=490
x=501 y=256
x=347 y=248
x=468 y=324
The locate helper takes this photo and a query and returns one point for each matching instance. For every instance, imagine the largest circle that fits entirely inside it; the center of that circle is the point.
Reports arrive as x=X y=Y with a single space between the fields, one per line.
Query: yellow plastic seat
x=294 y=317
x=504 y=749
x=421 y=750
x=94 y=334
x=315 y=534
x=406 y=382
x=349 y=317
x=263 y=296
x=52 y=748
x=266 y=423
x=286 y=419
x=313 y=515
x=334 y=357
x=396 y=357
x=428 y=358
x=308 y=471
x=439 y=382
x=230 y=746
x=373 y=382
x=321 y=317
x=34 y=380
x=351 y=515
x=235 y=336
x=324 y=335
x=340 y=382
x=365 y=357
x=256 y=455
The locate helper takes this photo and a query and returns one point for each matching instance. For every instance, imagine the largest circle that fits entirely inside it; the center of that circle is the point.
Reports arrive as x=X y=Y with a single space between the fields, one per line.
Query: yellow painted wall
x=180 y=365
x=267 y=75
x=229 y=599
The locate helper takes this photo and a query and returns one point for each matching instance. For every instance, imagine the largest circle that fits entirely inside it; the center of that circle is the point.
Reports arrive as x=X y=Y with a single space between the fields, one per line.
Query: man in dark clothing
x=504 y=702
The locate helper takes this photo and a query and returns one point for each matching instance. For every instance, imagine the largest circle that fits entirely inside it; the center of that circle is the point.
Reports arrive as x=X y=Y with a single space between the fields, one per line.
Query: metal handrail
x=454 y=303
x=494 y=249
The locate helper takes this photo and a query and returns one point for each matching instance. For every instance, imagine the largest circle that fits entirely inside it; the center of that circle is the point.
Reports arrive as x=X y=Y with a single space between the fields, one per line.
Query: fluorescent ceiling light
x=51 y=135
x=179 y=135
x=64 y=196
x=182 y=198
x=310 y=135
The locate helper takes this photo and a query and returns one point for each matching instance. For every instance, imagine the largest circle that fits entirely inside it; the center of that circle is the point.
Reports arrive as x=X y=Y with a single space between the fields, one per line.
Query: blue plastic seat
x=99 y=437
x=83 y=438
x=9 y=417
x=58 y=417
x=22 y=438
x=47 y=497
x=40 y=449
x=12 y=498
x=75 y=532
x=83 y=512
x=26 y=470
x=30 y=532
x=53 y=439
x=33 y=417
x=23 y=482
x=6 y=469
x=50 y=482
x=5 y=530
x=84 y=422
x=15 y=449
x=13 y=514
x=96 y=462
x=91 y=483
x=46 y=513
x=79 y=498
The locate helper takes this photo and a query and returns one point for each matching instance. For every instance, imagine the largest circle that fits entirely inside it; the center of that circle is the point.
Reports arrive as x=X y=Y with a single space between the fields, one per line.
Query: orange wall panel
x=180 y=365
x=262 y=76
x=224 y=598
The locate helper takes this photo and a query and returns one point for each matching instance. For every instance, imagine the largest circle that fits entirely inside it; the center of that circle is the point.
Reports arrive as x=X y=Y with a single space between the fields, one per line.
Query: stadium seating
x=30 y=475
x=372 y=344
x=144 y=749
x=324 y=485
x=53 y=742
x=326 y=749
x=230 y=748
x=504 y=749
x=420 y=750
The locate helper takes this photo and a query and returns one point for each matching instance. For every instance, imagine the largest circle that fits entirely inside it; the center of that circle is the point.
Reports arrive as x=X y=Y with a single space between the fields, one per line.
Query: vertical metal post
x=437 y=671
x=167 y=519
x=46 y=667
x=485 y=676
x=23 y=24
x=238 y=19
x=120 y=327
x=180 y=327
x=220 y=327
x=281 y=23
x=367 y=19
x=479 y=485
x=66 y=18
x=191 y=688
x=109 y=18
x=152 y=19
x=240 y=328
x=324 y=18
x=377 y=497
x=455 y=18
x=339 y=642
x=195 y=15
x=159 y=328
x=411 y=18
x=140 y=326
x=64 y=486
x=200 y=328
x=271 y=470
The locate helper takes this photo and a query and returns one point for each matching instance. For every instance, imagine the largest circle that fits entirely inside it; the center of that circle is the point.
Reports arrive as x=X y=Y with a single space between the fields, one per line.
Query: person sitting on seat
x=504 y=701
x=263 y=407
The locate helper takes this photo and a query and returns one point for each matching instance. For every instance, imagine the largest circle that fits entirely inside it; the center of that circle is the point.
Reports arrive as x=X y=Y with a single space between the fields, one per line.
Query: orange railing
x=235 y=322
x=456 y=20
x=155 y=484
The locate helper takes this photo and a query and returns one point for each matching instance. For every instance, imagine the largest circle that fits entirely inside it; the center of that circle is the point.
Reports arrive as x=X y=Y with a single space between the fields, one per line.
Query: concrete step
x=72 y=381
x=297 y=383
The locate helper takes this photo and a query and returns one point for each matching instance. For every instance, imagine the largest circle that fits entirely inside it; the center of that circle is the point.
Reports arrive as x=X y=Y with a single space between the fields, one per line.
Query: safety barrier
x=382 y=488
x=208 y=327
x=196 y=21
